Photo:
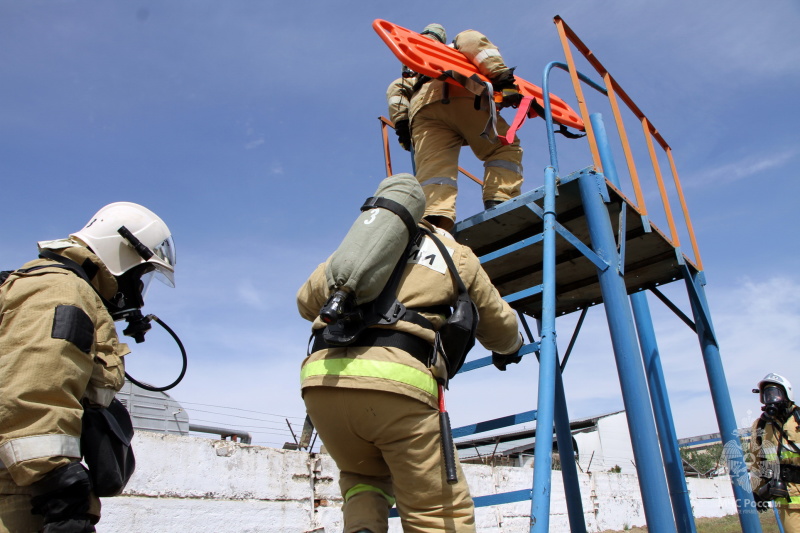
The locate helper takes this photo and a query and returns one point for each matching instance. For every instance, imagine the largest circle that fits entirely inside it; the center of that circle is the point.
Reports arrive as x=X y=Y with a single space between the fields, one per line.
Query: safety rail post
x=649 y=132
x=668 y=440
x=652 y=481
x=576 y=85
x=720 y=396
x=543 y=448
x=626 y=145
x=385 y=137
x=685 y=208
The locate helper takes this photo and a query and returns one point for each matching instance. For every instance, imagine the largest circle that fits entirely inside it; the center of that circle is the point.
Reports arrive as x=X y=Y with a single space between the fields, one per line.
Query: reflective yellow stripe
x=361 y=487
x=783 y=502
x=784 y=455
x=347 y=366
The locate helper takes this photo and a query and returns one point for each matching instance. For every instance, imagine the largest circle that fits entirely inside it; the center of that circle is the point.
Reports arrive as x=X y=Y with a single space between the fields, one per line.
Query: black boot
x=488 y=204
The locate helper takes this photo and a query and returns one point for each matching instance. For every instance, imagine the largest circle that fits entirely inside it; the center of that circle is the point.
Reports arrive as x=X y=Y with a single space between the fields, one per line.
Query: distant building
x=158 y=412
x=600 y=443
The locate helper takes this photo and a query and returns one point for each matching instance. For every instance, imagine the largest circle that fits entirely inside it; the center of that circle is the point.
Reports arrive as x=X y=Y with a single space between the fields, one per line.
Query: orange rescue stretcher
x=436 y=60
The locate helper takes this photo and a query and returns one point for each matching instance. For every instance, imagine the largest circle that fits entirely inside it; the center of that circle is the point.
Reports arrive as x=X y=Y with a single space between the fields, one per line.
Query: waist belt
x=790 y=473
x=416 y=347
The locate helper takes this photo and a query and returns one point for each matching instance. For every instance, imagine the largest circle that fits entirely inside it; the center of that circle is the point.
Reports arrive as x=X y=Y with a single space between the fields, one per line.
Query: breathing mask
x=776 y=403
x=132 y=287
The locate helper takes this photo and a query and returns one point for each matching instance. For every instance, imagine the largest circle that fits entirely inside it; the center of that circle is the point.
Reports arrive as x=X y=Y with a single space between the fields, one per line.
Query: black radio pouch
x=106 y=447
x=457 y=335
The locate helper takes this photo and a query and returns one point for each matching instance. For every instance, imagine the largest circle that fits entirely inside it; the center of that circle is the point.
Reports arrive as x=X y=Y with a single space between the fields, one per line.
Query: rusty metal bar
x=385 y=134
x=470 y=176
x=590 y=57
x=685 y=208
x=626 y=148
x=573 y=74
x=649 y=133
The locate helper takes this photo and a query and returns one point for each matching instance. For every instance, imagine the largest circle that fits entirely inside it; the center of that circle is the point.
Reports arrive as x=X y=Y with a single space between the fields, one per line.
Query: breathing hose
x=183 y=355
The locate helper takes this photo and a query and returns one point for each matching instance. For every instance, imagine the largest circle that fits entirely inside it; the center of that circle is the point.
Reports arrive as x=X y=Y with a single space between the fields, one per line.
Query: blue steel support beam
x=720 y=396
x=678 y=492
x=543 y=449
x=569 y=470
x=652 y=481
x=668 y=440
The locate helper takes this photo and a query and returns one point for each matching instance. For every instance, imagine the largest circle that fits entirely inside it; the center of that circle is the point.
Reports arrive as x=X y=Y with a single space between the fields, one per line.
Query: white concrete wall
x=609 y=446
x=202 y=485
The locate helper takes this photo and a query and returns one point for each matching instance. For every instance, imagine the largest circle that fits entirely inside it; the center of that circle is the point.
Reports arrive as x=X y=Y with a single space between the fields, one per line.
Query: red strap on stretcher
x=522 y=113
x=432 y=58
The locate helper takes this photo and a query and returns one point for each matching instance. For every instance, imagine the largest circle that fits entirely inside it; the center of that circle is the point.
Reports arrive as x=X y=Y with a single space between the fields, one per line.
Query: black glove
x=762 y=505
x=403 y=131
x=501 y=360
x=504 y=80
x=506 y=89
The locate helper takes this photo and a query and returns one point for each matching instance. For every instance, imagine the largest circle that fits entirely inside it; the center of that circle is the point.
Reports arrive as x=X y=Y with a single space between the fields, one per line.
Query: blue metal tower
x=576 y=242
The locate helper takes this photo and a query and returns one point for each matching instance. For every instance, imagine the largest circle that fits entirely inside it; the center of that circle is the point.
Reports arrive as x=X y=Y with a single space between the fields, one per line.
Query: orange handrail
x=615 y=93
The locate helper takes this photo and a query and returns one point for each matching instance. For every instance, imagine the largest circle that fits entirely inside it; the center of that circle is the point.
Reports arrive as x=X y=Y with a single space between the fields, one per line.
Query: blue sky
x=251 y=128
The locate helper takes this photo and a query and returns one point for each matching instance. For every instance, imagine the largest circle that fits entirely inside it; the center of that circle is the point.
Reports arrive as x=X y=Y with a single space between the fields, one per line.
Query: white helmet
x=147 y=240
x=778 y=380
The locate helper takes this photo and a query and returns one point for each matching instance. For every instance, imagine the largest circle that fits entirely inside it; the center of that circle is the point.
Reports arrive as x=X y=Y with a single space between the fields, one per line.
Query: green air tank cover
x=369 y=252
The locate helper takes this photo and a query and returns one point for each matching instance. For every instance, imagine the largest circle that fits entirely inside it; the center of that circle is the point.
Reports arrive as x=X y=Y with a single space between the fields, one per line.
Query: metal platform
x=508 y=239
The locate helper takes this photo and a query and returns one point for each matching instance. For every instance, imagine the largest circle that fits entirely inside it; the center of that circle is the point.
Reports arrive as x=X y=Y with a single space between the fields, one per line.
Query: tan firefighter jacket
x=58 y=345
x=404 y=102
x=765 y=456
x=426 y=283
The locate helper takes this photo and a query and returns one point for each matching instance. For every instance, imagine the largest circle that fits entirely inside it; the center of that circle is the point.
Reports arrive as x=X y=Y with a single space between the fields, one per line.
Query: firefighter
x=59 y=351
x=374 y=402
x=436 y=119
x=775 y=437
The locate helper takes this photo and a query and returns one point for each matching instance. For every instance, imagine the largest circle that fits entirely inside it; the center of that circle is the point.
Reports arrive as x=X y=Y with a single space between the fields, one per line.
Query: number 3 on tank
x=374 y=213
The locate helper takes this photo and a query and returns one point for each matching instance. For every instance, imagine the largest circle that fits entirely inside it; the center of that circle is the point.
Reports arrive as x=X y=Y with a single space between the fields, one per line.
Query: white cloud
x=751 y=165
x=250 y=295
x=255 y=143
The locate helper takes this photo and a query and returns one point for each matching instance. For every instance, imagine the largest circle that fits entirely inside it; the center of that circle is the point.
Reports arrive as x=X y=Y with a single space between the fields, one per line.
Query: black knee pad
x=62 y=498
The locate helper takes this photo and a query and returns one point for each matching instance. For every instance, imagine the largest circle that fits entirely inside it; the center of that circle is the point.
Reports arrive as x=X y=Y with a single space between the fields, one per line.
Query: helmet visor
x=166 y=253
x=773 y=394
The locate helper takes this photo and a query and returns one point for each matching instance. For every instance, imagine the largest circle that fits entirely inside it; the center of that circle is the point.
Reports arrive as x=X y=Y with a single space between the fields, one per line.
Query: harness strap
x=782 y=436
x=482 y=90
x=395 y=207
x=416 y=347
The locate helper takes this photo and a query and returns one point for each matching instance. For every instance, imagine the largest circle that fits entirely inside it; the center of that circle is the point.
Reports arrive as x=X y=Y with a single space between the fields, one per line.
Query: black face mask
x=776 y=404
x=129 y=300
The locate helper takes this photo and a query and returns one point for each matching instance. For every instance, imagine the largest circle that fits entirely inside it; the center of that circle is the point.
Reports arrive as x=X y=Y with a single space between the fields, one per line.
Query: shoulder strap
x=72 y=266
x=386 y=308
x=760 y=426
x=462 y=289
